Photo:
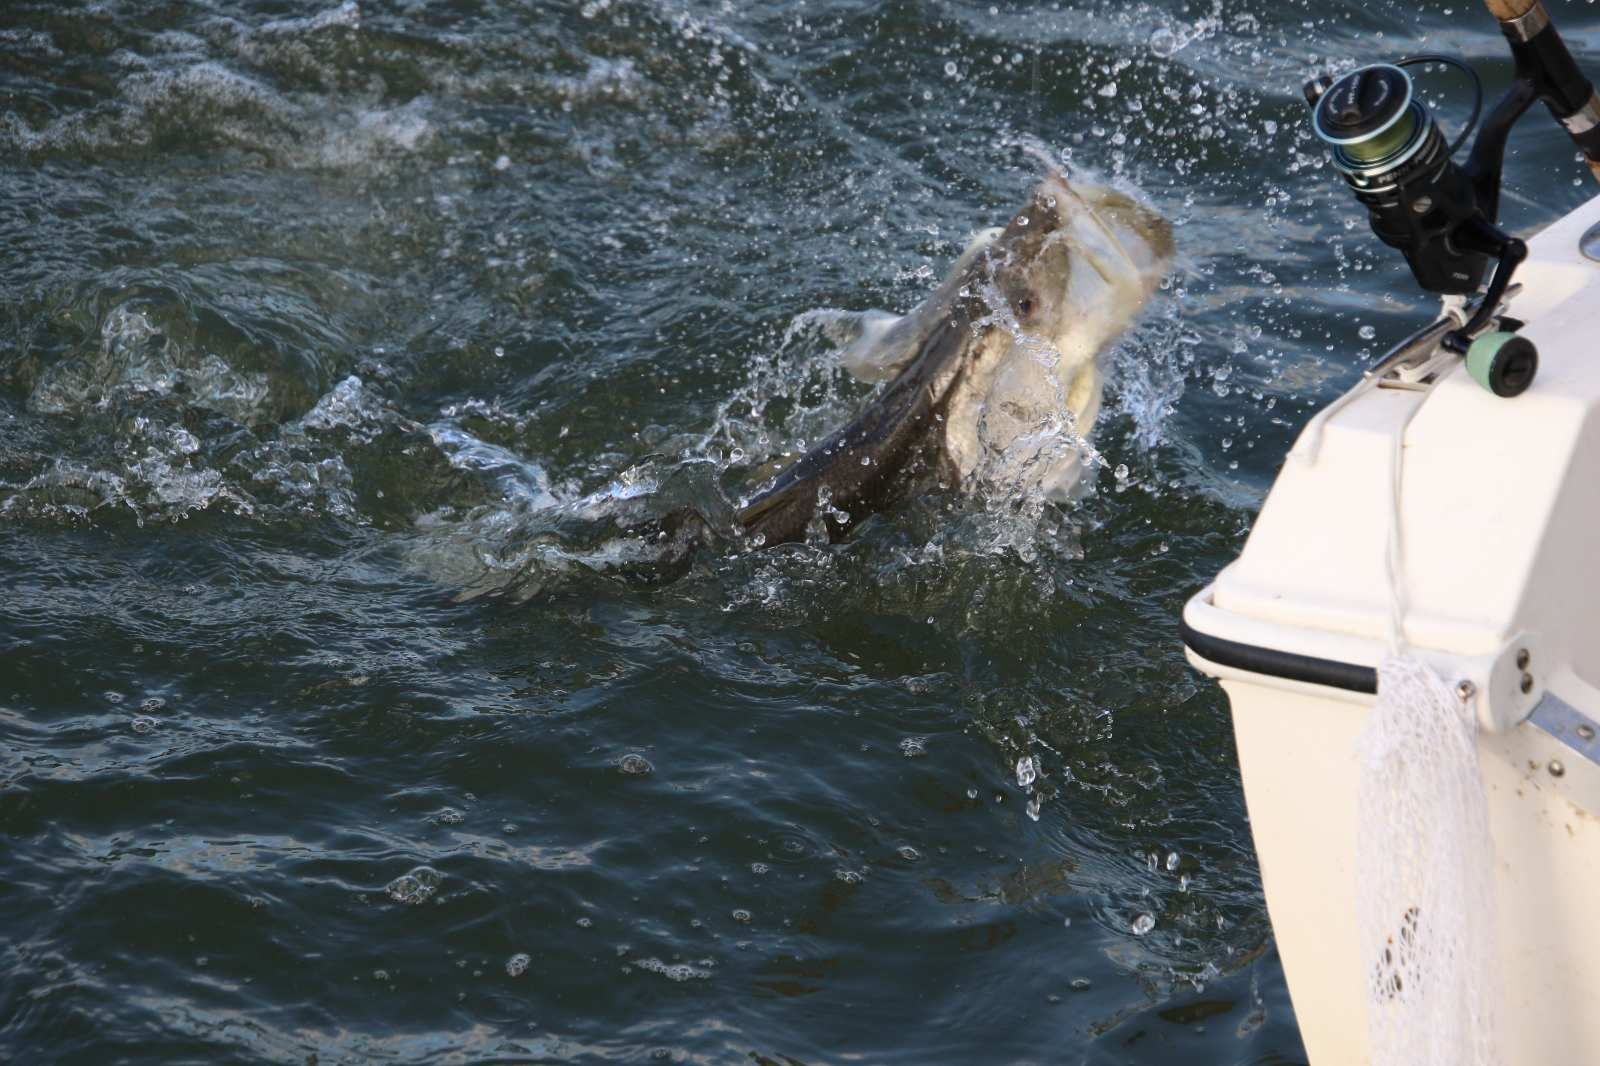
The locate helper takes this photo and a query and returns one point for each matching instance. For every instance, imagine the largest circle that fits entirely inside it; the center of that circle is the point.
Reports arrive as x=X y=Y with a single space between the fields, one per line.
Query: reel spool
x=1387 y=146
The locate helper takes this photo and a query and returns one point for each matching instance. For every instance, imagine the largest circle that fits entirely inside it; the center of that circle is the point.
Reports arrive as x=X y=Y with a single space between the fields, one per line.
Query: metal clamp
x=1415 y=362
x=1565 y=723
x=1585 y=118
x=1526 y=26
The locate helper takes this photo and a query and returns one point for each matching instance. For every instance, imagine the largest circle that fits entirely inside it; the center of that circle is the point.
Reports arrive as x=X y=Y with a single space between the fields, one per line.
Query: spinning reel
x=1441 y=215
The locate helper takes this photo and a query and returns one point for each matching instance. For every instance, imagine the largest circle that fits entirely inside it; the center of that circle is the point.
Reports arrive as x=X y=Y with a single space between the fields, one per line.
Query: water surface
x=324 y=742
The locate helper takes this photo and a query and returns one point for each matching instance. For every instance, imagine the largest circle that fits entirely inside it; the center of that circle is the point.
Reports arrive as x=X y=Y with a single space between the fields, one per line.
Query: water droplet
x=914 y=747
x=143 y=723
x=1121 y=472
x=517 y=965
x=1143 y=924
x=449 y=816
x=1368 y=332
x=909 y=853
x=741 y=915
x=1163 y=43
x=759 y=867
x=1081 y=984
x=1172 y=861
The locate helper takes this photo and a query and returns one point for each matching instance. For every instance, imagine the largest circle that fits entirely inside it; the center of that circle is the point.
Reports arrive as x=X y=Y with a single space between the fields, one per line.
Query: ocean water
x=334 y=728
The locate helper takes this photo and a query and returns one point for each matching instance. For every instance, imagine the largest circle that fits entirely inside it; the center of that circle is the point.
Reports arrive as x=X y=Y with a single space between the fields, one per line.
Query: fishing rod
x=1444 y=216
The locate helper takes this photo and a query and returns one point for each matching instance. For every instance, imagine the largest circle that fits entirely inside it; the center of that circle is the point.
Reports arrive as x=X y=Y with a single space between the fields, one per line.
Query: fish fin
x=878 y=345
x=882 y=345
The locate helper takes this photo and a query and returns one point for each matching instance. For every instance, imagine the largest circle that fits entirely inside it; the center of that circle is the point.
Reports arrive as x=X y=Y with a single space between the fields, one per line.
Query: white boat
x=1430 y=846
x=1500 y=510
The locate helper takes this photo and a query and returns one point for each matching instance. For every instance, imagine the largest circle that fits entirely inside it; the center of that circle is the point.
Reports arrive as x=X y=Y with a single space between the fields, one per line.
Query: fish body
x=994 y=377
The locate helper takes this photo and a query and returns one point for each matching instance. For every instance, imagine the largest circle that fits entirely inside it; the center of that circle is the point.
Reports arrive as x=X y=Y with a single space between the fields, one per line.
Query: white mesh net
x=1425 y=895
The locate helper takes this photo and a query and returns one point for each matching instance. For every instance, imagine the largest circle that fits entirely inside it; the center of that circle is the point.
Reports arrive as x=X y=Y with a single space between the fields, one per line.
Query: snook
x=995 y=376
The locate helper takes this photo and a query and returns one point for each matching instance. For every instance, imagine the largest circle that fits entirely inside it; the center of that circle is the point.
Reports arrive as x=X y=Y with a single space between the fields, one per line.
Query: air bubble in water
x=950 y=68
x=1368 y=332
x=914 y=747
x=517 y=965
x=634 y=764
x=1027 y=771
x=415 y=886
x=1121 y=472
x=742 y=916
x=1143 y=924
x=1172 y=861
x=1164 y=43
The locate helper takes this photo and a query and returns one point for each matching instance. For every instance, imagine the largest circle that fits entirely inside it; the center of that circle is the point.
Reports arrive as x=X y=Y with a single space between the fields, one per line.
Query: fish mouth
x=1115 y=217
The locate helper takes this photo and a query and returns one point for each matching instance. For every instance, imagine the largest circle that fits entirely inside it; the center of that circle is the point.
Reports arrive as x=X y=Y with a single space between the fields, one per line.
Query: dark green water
x=309 y=313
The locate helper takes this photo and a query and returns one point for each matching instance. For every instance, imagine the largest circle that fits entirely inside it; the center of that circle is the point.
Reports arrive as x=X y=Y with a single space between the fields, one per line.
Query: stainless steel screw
x=1527 y=682
x=1586 y=732
x=1523 y=659
x=1556 y=769
x=1465 y=690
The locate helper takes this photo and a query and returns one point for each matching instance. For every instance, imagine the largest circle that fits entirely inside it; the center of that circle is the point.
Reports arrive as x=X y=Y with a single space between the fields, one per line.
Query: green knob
x=1503 y=363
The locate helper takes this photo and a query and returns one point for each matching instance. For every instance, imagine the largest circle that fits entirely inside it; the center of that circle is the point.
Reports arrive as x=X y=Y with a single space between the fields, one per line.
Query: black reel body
x=1388 y=148
x=1441 y=215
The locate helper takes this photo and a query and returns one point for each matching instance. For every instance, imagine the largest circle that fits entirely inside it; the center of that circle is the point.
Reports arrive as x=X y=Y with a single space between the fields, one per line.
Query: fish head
x=1064 y=278
x=1075 y=265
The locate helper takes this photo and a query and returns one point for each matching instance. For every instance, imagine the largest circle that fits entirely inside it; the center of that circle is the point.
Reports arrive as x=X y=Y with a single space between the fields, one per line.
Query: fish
x=995 y=377
x=993 y=380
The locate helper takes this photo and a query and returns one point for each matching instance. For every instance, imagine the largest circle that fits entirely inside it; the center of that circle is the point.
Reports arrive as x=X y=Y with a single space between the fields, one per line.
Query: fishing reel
x=1443 y=215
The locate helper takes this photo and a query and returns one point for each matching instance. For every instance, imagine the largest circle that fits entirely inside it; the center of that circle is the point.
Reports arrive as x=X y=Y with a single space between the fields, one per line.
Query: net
x=1425 y=897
